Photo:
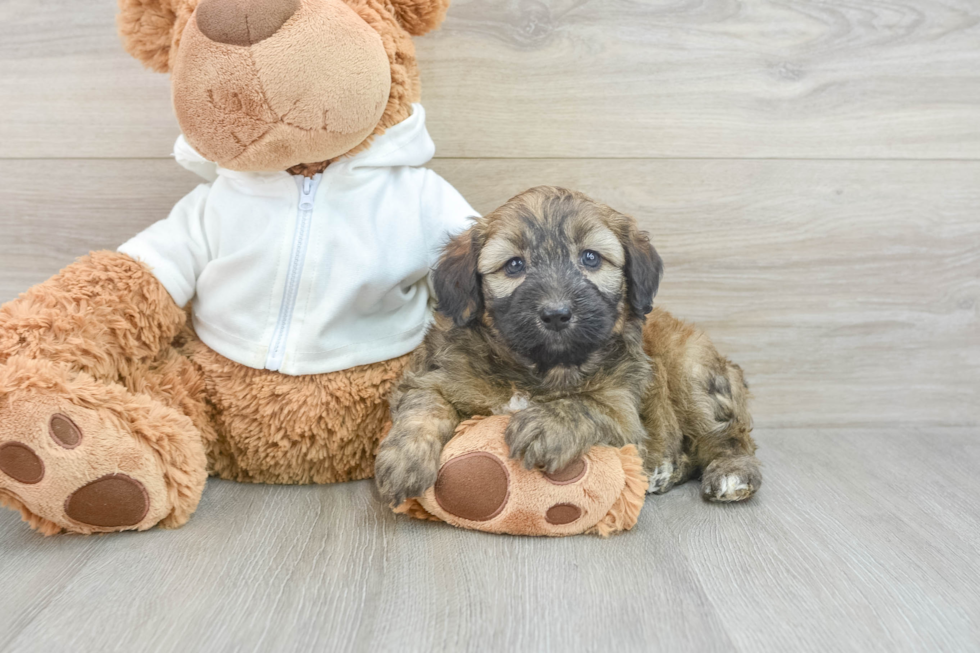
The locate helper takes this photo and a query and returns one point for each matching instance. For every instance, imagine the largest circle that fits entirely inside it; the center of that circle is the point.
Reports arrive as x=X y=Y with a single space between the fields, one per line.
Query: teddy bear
x=255 y=333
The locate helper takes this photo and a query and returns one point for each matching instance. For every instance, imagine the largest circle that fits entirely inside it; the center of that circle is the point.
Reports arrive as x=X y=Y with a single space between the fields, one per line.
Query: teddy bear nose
x=243 y=22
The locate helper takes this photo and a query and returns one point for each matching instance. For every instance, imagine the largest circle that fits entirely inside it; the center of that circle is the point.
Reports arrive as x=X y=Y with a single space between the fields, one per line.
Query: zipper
x=297 y=257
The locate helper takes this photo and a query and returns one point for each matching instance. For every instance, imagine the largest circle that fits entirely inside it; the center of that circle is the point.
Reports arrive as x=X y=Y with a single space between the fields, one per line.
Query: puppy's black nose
x=556 y=316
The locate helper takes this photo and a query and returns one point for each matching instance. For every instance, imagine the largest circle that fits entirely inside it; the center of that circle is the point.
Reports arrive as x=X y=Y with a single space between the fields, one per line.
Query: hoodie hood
x=406 y=144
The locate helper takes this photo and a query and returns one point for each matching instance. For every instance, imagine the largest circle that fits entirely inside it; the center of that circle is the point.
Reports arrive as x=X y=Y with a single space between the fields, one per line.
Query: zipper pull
x=306 y=195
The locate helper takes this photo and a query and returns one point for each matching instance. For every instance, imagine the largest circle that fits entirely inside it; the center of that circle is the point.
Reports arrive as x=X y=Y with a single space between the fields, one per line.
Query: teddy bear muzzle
x=264 y=85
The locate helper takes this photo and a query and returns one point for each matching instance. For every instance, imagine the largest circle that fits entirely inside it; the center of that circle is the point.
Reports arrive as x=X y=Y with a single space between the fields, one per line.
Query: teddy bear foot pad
x=75 y=469
x=480 y=487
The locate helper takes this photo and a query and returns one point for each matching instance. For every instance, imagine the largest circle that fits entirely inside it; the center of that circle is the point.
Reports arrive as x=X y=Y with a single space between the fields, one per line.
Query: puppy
x=545 y=310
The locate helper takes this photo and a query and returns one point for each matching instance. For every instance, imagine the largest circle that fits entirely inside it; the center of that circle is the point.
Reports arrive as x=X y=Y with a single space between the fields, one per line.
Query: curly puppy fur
x=547 y=302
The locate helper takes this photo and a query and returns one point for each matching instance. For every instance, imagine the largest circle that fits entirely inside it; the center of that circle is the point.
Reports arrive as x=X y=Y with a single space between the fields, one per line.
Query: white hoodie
x=308 y=276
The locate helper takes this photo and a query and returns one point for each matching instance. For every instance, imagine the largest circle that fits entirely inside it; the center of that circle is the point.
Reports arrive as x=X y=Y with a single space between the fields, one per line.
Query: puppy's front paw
x=406 y=467
x=541 y=440
x=734 y=478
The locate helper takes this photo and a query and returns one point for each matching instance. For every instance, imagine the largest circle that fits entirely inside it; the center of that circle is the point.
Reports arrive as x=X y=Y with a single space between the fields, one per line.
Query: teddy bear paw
x=74 y=469
x=476 y=487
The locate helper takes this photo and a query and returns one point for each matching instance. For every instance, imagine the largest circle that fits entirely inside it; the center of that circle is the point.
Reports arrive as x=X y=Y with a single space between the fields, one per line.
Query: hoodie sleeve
x=176 y=249
x=445 y=214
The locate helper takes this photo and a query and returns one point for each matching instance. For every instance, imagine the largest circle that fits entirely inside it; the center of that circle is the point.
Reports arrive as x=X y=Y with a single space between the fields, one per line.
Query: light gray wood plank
x=483 y=592
x=572 y=78
x=833 y=554
x=262 y=552
x=844 y=536
x=315 y=568
x=53 y=211
x=35 y=570
x=849 y=291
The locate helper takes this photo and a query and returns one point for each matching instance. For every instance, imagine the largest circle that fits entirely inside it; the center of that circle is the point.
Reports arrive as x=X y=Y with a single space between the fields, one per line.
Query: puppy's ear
x=147 y=29
x=456 y=280
x=419 y=17
x=644 y=269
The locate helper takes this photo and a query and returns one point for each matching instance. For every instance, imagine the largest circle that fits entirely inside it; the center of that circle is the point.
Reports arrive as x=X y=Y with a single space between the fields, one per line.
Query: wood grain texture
x=844 y=549
x=849 y=291
x=572 y=78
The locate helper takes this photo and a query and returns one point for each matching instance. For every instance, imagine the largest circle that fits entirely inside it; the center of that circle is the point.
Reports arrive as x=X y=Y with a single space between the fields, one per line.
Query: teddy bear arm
x=97 y=315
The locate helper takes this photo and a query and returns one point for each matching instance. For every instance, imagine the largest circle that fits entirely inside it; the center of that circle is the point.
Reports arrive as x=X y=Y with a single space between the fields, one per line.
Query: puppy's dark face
x=553 y=274
x=553 y=280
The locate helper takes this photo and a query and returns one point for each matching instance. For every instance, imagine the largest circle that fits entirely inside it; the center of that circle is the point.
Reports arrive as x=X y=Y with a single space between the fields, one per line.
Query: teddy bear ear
x=147 y=30
x=419 y=16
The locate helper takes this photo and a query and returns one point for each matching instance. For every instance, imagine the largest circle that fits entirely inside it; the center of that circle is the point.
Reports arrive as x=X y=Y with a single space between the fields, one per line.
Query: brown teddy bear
x=303 y=262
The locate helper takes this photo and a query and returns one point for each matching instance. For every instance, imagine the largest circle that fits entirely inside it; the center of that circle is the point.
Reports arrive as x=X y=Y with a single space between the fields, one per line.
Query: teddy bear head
x=262 y=85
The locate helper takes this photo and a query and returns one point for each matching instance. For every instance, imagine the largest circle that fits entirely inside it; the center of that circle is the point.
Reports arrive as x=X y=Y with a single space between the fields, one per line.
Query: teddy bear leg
x=78 y=451
x=102 y=314
x=83 y=456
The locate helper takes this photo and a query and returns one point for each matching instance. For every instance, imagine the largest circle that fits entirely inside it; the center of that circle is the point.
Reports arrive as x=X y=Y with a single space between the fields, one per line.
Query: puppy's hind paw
x=730 y=479
x=666 y=473
x=661 y=478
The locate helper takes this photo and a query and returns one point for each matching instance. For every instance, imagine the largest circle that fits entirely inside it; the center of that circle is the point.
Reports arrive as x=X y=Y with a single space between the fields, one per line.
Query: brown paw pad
x=64 y=431
x=570 y=473
x=19 y=462
x=109 y=502
x=474 y=486
x=562 y=513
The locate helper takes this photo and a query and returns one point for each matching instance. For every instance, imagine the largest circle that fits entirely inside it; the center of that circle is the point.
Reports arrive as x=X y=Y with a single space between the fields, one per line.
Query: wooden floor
x=810 y=172
x=862 y=539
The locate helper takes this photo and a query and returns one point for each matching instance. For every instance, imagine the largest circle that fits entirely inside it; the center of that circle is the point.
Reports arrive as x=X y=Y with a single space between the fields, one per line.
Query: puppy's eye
x=591 y=259
x=514 y=266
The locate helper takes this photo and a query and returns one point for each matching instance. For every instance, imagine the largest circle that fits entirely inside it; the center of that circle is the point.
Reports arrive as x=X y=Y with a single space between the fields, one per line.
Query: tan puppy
x=546 y=311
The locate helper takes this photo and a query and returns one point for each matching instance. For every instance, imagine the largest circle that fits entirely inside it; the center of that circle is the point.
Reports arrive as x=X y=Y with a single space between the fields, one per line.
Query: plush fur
x=617 y=373
x=103 y=347
x=104 y=338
